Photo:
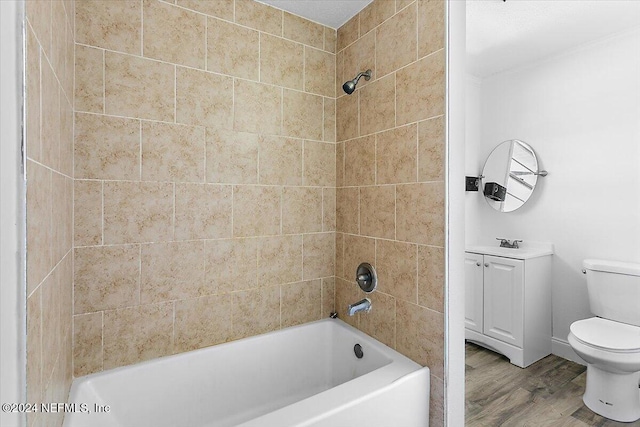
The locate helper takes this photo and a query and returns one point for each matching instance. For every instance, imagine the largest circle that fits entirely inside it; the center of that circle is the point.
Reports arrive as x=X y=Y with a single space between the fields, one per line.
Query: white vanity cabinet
x=508 y=301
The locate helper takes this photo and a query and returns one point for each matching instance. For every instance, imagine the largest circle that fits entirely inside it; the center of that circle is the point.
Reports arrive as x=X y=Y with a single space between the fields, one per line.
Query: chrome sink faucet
x=504 y=243
x=362 y=305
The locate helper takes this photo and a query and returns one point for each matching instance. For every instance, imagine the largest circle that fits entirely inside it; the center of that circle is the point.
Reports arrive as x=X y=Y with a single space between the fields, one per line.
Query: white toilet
x=610 y=342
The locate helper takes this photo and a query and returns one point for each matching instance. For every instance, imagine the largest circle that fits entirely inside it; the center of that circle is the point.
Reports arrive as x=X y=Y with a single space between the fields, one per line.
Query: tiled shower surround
x=224 y=185
x=390 y=178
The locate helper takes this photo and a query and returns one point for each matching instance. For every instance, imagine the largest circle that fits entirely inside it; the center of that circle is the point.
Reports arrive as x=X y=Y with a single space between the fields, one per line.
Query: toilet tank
x=614 y=290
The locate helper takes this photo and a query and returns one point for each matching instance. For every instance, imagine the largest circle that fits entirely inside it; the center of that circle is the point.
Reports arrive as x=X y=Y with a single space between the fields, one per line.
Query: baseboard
x=563 y=349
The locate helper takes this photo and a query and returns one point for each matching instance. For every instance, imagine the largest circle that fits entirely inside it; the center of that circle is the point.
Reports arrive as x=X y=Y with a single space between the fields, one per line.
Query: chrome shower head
x=350 y=86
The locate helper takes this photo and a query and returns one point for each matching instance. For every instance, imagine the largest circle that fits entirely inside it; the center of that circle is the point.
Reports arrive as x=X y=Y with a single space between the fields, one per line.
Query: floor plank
x=545 y=394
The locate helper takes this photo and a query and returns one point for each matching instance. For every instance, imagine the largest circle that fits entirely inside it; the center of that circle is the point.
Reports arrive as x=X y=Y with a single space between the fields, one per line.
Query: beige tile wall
x=205 y=202
x=49 y=166
x=390 y=177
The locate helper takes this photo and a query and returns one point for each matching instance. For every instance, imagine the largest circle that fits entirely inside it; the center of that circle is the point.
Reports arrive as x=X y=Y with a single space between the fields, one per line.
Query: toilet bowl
x=610 y=342
x=612 y=352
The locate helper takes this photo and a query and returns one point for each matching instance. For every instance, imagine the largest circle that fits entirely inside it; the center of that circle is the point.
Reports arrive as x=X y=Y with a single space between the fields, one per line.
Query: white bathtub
x=305 y=375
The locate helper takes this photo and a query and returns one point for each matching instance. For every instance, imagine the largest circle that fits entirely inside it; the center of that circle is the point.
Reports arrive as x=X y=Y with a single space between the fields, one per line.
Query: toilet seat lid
x=607 y=334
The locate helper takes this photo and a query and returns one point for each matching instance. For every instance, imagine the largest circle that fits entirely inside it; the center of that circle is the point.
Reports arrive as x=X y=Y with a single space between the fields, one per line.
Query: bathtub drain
x=357 y=349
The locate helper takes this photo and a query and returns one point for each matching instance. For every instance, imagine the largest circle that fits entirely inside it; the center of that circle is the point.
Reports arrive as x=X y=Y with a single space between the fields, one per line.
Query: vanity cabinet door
x=474 y=290
x=503 y=299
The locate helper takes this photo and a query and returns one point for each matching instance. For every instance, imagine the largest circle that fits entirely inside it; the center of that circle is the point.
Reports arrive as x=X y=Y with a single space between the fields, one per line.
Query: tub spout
x=362 y=305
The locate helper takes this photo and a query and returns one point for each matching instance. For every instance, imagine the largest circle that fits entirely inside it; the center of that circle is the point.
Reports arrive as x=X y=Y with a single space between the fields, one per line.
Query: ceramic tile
x=328 y=209
x=302 y=30
x=279 y=260
x=431 y=277
x=319 y=164
x=375 y=13
x=39 y=237
x=339 y=255
x=377 y=211
x=66 y=137
x=106 y=277
x=220 y=8
x=348 y=33
x=328 y=296
x=203 y=211
x=66 y=291
x=378 y=106
x=401 y=4
x=348 y=210
x=358 y=58
x=257 y=108
x=318 y=255
x=420 y=335
x=420 y=89
x=203 y=99
x=431 y=26
x=87 y=347
x=172 y=152
x=49 y=117
x=436 y=402
x=38 y=12
x=302 y=115
x=202 y=322
x=61 y=216
x=231 y=265
x=397 y=155
x=113 y=25
x=136 y=334
x=232 y=157
x=357 y=250
x=232 y=49
x=32 y=99
x=137 y=212
x=330 y=38
x=347 y=121
x=256 y=210
x=380 y=322
x=431 y=149
x=173 y=34
x=139 y=87
x=89 y=69
x=51 y=337
x=347 y=292
x=171 y=271
x=106 y=147
x=340 y=164
x=281 y=62
x=264 y=306
x=396 y=42
x=280 y=161
x=87 y=215
x=259 y=16
x=329 y=134
x=359 y=161
x=300 y=302
x=34 y=347
x=301 y=210
x=396 y=266
x=420 y=213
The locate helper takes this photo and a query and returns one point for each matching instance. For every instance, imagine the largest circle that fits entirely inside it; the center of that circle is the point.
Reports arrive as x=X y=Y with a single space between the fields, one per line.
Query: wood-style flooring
x=546 y=394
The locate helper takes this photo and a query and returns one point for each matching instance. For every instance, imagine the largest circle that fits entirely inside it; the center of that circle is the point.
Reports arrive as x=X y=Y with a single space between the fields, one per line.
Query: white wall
x=580 y=111
x=12 y=283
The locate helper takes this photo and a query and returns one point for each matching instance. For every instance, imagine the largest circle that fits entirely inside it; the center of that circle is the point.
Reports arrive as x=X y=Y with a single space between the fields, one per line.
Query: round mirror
x=510 y=175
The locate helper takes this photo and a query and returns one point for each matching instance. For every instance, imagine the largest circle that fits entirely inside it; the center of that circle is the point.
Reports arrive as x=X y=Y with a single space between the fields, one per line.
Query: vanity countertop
x=525 y=252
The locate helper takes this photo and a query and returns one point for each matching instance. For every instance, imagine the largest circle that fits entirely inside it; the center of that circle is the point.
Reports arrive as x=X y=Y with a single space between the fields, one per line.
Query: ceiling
x=505 y=35
x=332 y=13
x=502 y=35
